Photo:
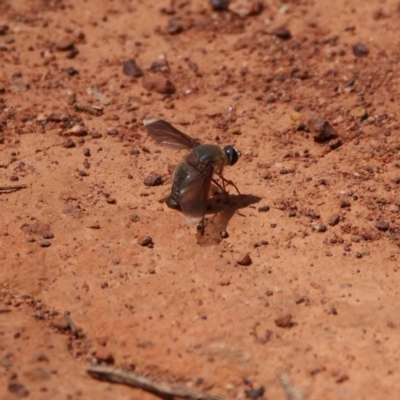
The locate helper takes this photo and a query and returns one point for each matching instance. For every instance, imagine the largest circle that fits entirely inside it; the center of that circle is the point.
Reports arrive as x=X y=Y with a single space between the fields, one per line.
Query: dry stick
x=130 y=379
x=13 y=187
x=291 y=392
x=74 y=330
x=71 y=324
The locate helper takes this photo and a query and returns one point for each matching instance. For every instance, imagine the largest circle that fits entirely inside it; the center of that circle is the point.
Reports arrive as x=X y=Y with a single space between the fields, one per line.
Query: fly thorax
x=208 y=154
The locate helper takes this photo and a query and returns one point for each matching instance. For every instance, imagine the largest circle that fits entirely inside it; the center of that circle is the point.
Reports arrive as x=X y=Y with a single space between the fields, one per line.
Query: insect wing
x=165 y=134
x=194 y=195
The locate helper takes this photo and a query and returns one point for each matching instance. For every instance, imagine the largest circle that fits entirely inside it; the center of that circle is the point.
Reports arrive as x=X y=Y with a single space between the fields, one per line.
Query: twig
x=13 y=187
x=74 y=330
x=71 y=324
x=291 y=392
x=160 y=389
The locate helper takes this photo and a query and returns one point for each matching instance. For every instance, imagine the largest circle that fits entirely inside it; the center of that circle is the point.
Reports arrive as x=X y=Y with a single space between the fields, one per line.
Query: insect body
x=193 y=175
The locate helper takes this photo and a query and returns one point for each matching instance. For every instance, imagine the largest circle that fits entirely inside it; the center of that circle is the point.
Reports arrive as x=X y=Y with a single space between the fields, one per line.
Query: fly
x=192 y=177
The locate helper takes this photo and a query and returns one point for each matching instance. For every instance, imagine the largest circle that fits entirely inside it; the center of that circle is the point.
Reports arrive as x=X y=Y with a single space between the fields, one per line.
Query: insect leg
x=200 y=227
x=228 y=182
x=222 y=188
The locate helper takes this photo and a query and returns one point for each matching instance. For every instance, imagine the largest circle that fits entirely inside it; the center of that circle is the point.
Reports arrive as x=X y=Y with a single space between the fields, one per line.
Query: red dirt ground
x=319 y=303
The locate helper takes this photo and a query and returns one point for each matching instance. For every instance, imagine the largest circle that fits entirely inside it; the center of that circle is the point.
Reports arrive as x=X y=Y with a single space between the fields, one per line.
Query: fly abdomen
x=182 y=171
x=172 y=200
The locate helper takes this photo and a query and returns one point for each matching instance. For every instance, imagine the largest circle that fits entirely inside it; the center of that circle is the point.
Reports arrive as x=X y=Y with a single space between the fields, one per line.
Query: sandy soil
x=319 y=302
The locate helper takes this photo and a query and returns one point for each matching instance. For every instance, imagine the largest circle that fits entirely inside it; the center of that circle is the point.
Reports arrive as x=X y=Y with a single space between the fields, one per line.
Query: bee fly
x=193 y=175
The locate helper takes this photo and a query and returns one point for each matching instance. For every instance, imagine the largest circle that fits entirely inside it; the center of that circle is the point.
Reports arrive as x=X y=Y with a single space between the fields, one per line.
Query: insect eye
x=232 y=154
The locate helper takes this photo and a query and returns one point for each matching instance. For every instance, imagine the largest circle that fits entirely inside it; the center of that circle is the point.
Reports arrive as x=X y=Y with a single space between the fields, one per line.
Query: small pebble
x=45 y=243
x=72 y=71
x=282 y=33
x=296 y=116
x=284 y=321
x=219 y=5
x=224 y=234
x=65 y=44
x=130 y=176
x=333 y=311
x=263 y=209
x=145 y=240
x=254 y=394
x=382 y=226
x=134 y=218
x=360 y=50
x=175 y=26
x=3 y=28
x=69 y=144
x=153 y=180
x=350 y=82
x=245 y=260
x=82 y=173
x=359 y=113
x=134 y=152
x=334 y=219
x=167 y=10
x=104 y=354
x=60 y=323
x=162 y=66
x=8 y=39
x=302 y=126
x=342 y=378
x=112 y=131
x=321 y=129
x=292 y=213
x=86 y=152
x=321 y=228
x=302 y=299
x=344 y=202
x=18 y=389
x=94 y=226
x=245 y=8
x=72 y=53
x=48 y=235
x=130 y=68
x=335 y=143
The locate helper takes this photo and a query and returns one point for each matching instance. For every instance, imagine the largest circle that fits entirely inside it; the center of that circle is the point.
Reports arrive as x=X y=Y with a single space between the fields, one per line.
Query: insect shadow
x=219 y=212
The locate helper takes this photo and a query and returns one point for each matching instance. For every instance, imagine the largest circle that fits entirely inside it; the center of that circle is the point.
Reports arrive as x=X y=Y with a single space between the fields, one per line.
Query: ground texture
x=309 y=91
